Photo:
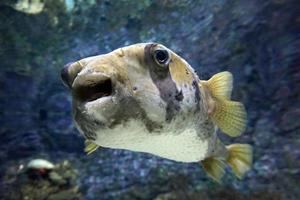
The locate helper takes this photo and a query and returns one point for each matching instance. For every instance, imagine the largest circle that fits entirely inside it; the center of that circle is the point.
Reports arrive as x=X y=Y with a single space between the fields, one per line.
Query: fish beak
x=87 y=88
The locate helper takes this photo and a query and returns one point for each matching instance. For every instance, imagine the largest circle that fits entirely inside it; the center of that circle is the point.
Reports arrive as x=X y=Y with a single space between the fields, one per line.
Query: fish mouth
x=94 y=90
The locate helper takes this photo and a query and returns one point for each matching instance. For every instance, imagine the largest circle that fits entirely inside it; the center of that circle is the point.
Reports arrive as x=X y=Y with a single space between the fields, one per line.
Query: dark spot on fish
x=132 y=110
x=164 y=83
x=179 y=96
x=121 y=115
x=208 y=129
x=197 y=92
x=194 y=84
x=187 y=72
x=97 y=123
x=134 y=88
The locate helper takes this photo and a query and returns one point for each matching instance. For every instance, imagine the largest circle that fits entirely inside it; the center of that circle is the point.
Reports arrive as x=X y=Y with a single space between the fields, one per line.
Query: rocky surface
x=258 y=41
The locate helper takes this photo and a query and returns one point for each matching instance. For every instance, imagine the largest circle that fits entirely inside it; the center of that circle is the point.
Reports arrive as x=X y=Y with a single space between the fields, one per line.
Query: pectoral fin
x=220 y=84
x=229 y=116
x=90 y=147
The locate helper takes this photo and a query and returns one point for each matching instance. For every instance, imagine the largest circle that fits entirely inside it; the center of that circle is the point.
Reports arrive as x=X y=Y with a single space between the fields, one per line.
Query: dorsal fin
x=229 y=116
x=221 y=84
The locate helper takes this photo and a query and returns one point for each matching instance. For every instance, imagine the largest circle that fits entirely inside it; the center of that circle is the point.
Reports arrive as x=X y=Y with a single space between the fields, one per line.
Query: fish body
x=146 y=98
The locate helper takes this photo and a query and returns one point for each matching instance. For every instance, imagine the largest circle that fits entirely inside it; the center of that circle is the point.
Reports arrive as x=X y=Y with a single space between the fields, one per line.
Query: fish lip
x=99 y=102
x=93 y=87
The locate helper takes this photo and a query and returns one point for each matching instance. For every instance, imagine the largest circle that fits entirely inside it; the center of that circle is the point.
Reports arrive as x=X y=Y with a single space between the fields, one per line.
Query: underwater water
x=257 y=41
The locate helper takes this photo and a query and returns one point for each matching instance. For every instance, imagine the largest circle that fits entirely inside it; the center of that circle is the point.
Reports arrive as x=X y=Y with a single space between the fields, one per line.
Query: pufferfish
x=146 y=98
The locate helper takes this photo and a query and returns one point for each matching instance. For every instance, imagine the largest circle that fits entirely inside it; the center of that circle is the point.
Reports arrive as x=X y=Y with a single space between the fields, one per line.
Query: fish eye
x=161 y=57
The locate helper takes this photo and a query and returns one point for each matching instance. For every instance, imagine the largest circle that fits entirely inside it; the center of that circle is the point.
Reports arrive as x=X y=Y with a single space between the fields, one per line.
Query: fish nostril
x=64 y=74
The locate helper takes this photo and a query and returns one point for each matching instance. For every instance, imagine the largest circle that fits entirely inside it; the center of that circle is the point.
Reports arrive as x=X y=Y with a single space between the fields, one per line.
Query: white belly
x=184 y=147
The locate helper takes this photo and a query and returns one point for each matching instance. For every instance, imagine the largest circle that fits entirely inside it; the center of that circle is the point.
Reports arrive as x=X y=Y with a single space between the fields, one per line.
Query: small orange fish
x=146 y=98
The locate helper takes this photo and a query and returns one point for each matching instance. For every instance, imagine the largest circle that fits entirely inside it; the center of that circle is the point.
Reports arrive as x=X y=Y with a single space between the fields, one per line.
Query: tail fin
x=239 y=159
x=229 y=116
x=214 y=167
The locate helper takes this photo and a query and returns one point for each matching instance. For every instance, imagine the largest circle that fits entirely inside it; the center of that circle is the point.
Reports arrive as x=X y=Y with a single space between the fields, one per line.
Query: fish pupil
x=161 y=56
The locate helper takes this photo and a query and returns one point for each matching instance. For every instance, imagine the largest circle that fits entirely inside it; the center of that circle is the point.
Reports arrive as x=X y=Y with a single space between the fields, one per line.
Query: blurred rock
x=224 y=194
x=39 y=183
x=30 y=7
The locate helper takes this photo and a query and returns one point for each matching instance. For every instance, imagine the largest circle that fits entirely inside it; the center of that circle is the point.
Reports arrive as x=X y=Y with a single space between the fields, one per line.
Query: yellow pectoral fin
x=90 y=147
x=220 y=84
x=229 y=116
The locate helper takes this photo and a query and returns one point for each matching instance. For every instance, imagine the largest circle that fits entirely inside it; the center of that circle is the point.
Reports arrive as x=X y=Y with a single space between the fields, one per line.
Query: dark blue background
x=258 y=41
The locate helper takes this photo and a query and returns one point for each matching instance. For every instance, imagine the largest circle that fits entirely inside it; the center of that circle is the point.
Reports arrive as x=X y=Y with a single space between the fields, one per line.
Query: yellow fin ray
x=221 y=84
x=215 y=168
x=90 y=147
x=239 y=158
x=229 y=116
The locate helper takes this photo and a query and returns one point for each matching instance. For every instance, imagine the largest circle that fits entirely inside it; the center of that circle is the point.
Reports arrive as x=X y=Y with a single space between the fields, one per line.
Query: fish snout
x=64 y=74
x=69 y=73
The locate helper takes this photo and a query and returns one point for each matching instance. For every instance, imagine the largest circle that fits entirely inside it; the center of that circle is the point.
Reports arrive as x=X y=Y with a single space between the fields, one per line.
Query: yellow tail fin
x=214 y=167
x=90 y=147
x=239 y=158
x=229 y=116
